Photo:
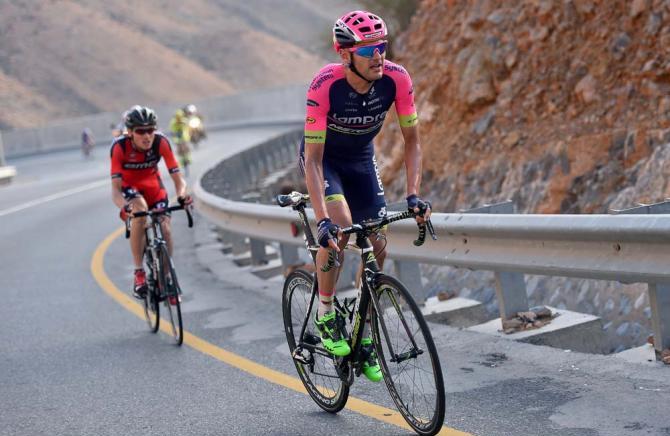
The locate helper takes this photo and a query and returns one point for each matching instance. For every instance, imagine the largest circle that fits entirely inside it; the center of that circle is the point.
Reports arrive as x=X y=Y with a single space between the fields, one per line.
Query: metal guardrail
x=262 y=107
x=626 y=247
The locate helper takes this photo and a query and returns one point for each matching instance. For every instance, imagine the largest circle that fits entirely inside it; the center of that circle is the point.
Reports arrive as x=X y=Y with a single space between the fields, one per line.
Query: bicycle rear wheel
x=316 y=366
x=408 y=357
x=170 y=290
x=151 y=308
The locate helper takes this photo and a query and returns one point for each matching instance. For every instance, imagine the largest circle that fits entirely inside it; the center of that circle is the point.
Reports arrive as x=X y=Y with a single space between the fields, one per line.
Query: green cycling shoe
x=371 y=368
x=331 y=337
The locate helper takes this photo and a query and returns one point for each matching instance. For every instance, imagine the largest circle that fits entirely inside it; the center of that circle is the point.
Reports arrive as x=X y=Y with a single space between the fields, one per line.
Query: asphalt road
x=74 y=361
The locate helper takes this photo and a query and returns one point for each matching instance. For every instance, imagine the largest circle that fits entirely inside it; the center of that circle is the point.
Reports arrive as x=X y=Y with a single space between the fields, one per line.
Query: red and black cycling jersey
x=140 y=168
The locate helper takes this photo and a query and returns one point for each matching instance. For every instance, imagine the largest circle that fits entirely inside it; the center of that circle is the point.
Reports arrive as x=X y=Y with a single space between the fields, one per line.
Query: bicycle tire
x=151 y=307
x=423 y=411
x=170 y=288
x=320 y=379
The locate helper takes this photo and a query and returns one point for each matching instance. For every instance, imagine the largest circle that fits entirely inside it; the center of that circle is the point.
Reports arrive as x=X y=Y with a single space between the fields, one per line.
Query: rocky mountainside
x=554 y=104
x=560 y=105
x=62 y=58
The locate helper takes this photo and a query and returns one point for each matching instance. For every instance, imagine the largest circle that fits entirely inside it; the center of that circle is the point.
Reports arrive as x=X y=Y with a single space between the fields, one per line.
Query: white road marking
x=55 y=196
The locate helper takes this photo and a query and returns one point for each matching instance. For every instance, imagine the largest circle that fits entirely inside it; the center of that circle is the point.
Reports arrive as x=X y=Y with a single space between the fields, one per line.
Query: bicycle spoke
x=319 y=376
x=414 y=379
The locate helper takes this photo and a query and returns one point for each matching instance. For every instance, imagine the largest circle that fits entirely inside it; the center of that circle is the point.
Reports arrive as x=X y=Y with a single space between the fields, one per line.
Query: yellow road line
x=354 y=404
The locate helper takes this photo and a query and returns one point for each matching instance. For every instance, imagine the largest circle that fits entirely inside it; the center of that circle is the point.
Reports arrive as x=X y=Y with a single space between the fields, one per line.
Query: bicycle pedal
x=299 y=357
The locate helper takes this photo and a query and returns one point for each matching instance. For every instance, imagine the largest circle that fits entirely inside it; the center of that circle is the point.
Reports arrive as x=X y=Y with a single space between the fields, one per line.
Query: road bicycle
x=162 y=283
x=407 y=355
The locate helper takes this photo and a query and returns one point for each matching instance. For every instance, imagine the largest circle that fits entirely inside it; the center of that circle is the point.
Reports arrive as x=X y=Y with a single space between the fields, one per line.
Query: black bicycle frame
x=370 y=271
x=153 y=233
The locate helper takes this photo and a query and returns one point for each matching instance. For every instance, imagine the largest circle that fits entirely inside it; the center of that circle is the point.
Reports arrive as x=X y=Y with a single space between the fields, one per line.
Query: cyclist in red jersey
x=346 y=107
x=137 y=184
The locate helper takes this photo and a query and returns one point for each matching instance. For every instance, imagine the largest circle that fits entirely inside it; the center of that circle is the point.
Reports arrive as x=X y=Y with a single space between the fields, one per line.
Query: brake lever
x=426 y=225
x=189 y=215
x=422 y=235
x=431 y=230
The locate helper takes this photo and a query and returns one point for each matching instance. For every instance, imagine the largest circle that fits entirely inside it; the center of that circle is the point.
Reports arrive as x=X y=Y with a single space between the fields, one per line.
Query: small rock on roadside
x=665 y=356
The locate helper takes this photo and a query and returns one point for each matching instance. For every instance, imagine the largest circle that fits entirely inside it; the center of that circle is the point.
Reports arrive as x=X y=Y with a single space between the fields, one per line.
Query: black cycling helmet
x=139 y=116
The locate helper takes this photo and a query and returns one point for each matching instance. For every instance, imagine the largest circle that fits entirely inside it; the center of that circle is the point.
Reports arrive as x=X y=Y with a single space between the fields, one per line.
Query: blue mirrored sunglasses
x=368 y=51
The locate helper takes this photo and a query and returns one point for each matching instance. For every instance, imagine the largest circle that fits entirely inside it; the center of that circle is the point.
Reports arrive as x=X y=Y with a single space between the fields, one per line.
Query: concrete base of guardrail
x=644 y=354
x=273 y=268
x=457 y=311
x=246 y=258
x=568 y=330
x=7 y=173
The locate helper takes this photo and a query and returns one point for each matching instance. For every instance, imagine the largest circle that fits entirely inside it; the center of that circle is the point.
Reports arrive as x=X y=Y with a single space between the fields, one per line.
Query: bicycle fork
x=301 y=353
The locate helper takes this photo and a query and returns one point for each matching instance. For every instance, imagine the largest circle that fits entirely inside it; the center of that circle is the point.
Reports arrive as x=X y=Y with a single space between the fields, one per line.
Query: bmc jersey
x=139 y=169
x=346 y=121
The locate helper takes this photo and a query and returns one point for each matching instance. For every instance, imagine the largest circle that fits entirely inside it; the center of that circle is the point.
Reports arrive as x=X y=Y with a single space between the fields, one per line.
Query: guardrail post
x=233 y=243
x=348 y=271
x=258 y=255
x=659 y=293
x=256 y=246
x=2 y=152
x=289 y=255
x=408 y=272
x=659 y=302
x=510 y=286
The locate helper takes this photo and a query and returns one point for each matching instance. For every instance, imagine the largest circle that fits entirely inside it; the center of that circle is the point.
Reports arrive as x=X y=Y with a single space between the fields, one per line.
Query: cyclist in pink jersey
x=346 y=107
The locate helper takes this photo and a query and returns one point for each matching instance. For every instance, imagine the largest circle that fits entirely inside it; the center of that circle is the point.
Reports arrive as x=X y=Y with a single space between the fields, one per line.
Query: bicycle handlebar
x=376 y=225
x=298 y=201
x=158 y=212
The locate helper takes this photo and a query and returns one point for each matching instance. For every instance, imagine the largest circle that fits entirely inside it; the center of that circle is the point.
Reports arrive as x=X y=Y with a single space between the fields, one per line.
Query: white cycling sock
x=325 y=302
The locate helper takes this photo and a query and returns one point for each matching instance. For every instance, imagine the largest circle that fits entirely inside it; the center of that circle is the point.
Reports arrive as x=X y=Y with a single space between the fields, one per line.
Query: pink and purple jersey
x=346 y=121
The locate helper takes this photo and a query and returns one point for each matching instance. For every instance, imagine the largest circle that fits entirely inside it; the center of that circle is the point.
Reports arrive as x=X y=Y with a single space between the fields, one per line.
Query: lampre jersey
x=346 y=121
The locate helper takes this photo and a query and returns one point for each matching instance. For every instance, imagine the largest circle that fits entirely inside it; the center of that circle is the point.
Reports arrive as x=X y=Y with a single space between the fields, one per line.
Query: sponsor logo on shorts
x=310 y=120
x=382 y=212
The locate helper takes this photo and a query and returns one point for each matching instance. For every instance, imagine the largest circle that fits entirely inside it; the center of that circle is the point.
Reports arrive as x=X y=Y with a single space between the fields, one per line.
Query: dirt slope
x=63 y=58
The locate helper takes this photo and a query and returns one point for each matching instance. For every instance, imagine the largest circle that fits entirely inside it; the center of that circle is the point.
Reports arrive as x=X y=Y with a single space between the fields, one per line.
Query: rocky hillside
x=554 y=104
x=560 y=105
x=63 y=58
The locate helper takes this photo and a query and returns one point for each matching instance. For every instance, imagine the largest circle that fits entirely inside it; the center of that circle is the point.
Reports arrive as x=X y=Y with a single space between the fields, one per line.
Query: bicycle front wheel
x=408 y=357
x=170 y=290
x=315 y=365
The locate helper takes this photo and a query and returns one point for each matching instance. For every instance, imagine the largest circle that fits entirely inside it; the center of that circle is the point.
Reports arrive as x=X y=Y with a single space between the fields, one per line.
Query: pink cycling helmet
x=358 y=27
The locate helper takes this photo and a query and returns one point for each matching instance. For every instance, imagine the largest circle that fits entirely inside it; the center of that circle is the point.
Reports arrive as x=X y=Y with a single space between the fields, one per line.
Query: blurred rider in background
x=196 y=126
x=181 y=137
x=87 y=143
